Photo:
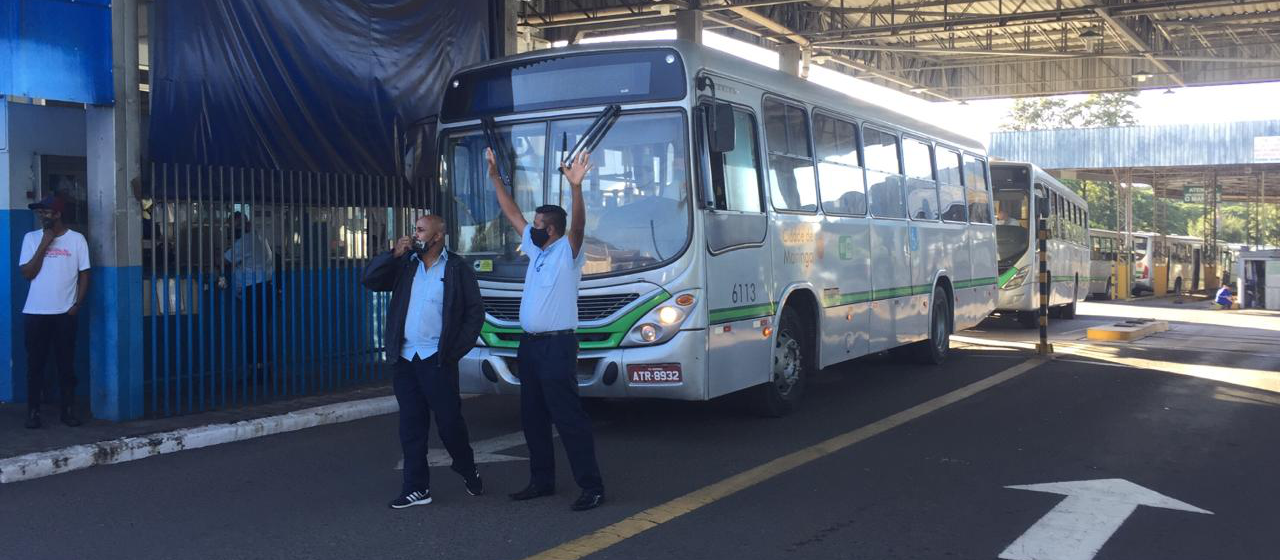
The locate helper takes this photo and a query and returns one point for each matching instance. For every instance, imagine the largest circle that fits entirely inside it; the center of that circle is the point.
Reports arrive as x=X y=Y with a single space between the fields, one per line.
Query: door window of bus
x=884 y=173
x=791 y=174
x=735 y=176
x=950 y=186
x=922 y=191
x=975 y=179
x=1013 y=212
x=839 y=166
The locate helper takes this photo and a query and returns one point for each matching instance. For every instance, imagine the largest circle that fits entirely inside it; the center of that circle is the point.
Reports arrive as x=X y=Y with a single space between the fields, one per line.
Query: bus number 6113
x=744 y=293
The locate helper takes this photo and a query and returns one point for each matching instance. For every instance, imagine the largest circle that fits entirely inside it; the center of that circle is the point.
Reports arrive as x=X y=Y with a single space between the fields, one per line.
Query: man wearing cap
x=56 y=262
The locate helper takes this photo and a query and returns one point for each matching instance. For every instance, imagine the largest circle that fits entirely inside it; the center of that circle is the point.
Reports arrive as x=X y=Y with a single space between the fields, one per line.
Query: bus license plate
x=640 y=374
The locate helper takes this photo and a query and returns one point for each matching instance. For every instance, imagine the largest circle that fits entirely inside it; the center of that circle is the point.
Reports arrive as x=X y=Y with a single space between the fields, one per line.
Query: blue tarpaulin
x=55 y=49
x=318 y=85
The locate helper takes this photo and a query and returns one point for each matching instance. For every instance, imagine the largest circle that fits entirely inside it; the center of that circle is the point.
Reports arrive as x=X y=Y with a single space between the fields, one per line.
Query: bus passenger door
x=738 y=263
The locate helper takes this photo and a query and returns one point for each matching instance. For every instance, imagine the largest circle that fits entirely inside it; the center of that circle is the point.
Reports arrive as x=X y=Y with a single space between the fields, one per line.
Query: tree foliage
x=1097 y=110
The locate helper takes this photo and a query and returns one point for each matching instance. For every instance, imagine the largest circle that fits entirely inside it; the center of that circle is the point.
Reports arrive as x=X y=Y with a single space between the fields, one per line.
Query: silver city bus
x=744 y=226
x=1068 y=243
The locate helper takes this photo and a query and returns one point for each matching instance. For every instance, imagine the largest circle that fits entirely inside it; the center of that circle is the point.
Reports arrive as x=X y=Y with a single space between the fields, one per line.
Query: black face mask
x=539 y=236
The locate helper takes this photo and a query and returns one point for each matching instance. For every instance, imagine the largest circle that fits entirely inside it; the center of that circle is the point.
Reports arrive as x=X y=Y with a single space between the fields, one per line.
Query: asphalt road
x=933 y=486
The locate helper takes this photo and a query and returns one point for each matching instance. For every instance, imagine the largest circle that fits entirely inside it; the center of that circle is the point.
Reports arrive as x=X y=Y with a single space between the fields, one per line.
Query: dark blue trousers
x=423 y=389
x=549 y=395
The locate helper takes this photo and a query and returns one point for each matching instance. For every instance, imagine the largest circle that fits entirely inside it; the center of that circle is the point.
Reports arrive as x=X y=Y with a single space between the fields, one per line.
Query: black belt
x=547 y=333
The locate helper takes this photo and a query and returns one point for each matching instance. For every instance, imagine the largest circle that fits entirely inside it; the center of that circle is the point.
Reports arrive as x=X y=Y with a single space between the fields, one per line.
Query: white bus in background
x=1182 y=253
x=744 y=228
x=1021 y=189
x=1105 y=248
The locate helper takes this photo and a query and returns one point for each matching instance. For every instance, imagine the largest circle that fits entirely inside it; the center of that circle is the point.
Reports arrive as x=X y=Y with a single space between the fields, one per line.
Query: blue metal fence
x=307 y=326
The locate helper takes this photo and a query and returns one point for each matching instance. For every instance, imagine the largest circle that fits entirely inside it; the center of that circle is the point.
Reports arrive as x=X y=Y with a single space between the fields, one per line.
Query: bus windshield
x=636 y=195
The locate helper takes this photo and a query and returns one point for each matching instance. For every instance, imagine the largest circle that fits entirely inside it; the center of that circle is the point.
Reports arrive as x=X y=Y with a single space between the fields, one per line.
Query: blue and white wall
x=26 y=132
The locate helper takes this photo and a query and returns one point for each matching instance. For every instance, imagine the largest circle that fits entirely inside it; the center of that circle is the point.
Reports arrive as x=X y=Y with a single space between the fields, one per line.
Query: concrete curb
x=76 y=457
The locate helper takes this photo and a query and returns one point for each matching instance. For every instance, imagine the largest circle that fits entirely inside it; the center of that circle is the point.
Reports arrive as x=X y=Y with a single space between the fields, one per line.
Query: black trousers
x=423 y=389
x=50 y=333
x=256 y=305
x=549 y=395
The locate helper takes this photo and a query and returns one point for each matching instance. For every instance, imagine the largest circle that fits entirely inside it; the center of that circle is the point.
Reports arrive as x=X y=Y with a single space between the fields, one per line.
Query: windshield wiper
x=499 y=149
x=594 y=134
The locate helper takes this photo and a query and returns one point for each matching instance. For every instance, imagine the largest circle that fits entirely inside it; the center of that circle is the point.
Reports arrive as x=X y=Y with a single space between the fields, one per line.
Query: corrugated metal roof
x=1138 y=146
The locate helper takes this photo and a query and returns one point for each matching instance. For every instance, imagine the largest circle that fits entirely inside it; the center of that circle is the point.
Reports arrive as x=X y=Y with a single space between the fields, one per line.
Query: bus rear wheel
x=790 y=365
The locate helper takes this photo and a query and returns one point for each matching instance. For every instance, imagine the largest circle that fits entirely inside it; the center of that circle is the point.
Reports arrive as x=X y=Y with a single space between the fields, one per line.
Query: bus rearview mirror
x=720 y=133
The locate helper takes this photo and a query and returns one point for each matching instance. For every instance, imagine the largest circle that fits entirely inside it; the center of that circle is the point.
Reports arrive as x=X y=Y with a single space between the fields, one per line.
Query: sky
x=978 y=119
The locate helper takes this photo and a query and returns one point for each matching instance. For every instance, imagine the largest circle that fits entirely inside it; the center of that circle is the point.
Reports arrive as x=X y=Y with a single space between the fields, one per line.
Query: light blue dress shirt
x=423 y=322
x=550 y=299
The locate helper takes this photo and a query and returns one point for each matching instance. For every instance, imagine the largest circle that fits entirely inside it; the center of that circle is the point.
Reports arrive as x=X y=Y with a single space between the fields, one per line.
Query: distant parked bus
x=1182 y=253
x=1020 y=190
x=1104 y=250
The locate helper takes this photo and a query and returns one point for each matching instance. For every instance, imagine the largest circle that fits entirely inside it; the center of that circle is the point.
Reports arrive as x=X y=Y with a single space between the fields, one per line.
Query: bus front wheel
x=934 y=350
x=790 y=365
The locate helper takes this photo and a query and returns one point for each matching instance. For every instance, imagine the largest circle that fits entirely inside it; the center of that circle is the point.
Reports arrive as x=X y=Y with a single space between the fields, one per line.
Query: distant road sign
x=1195 y=195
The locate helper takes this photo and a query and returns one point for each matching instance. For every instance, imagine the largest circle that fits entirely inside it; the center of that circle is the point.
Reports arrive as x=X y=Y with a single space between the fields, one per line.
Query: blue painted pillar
x=115 y=236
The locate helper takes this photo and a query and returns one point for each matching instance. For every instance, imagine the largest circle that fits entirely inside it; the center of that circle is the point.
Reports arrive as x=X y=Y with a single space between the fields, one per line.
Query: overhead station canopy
x=958 y=49
x=1242 y=158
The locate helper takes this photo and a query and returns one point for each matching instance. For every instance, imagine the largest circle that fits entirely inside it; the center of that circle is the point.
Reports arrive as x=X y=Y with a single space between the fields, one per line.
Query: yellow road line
x=655 y=516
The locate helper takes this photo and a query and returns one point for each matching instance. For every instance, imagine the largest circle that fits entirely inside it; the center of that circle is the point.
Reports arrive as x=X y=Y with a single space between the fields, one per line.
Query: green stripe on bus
x=977 y=282
x=615 y=329
x=742 y=312
x=1004 y=278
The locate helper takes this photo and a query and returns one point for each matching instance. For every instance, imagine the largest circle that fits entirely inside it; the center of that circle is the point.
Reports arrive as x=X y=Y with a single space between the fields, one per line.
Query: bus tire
x=934 y=350
x=1029 y=319
x=789 y=367
x=1068 y=311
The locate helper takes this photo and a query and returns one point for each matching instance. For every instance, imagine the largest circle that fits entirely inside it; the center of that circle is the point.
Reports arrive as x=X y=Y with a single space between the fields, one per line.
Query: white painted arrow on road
x=1078 y=526
x=486 y=451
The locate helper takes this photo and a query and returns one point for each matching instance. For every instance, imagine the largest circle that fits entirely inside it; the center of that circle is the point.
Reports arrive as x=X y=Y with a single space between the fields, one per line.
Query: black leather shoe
x=475 y=484
x=589 y=499
x=69 y=417
x=532 y=491
x=33 y=419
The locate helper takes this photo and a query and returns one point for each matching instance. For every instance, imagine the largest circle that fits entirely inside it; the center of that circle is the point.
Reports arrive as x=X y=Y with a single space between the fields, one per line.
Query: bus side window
x=792 y=183
x=735 y=176
x=884 y=173
x=951 y=187
x=922 y=191
x=977 y=190
x=839 y=166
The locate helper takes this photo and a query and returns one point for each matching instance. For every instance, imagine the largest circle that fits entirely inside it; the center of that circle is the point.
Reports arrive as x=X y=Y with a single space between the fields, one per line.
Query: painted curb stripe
x=76 y=457
x=650 y=518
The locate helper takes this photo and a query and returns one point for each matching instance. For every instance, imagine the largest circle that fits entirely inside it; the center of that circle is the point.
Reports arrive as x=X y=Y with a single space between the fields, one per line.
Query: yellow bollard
x=1160 y=280
x=1124 y=281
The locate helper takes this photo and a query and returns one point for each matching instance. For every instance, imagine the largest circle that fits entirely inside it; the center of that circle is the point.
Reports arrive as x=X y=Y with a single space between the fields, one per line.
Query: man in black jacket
x=434 y=318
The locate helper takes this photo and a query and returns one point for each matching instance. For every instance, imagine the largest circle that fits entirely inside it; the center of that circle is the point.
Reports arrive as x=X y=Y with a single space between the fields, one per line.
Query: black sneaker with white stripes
x=415 y=498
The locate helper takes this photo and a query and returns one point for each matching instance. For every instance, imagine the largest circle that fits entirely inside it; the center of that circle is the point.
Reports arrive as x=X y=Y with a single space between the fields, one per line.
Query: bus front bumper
x=603 y=373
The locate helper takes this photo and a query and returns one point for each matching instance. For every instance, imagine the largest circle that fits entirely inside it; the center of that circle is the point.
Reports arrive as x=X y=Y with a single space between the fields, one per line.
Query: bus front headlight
x=662 y=323
x=1018 y=278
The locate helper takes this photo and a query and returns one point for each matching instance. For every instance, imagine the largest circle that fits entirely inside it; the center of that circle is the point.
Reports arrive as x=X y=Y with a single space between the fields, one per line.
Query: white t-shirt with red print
x=53 y=290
